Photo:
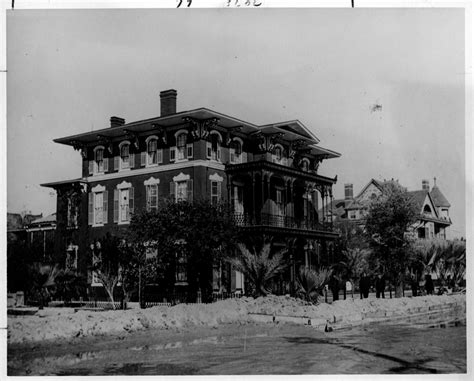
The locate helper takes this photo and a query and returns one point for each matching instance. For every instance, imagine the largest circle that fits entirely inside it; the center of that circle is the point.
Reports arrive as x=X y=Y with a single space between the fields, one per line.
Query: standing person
x=429 y=287
x=364 y=286
x=334 y=285
x=380 y=286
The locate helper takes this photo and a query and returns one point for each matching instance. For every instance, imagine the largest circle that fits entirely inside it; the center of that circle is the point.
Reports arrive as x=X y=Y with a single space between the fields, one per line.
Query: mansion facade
x=269 y=174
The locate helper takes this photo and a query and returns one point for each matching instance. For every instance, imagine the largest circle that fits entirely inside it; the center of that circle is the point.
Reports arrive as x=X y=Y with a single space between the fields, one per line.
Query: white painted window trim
x=232 y=151
x=147 y=160
x=123 y=186
x=274 y=157
x=176 y=154
x=219 y=147
x=96 y=166
x=97 y=189
x=181 y=177
x=216 y=177
x=306 y=160
x=121 y=169
x=151 y=181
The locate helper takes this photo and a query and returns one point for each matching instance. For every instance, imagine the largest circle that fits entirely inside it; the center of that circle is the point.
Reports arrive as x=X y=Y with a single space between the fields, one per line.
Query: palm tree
x=260 y=268
x=451 y=262
x=42 y=277
x=353 y=265
x=310 y=283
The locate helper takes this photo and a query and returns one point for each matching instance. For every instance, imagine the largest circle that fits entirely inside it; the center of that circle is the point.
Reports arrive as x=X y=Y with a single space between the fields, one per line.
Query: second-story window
x=125 y=156
x=72 y=211
x=235 y=152
x=305 y=165
x=181 y=146
x=278 y=154
x=99 y=164
x=99 y=160
x=214 y=147
x=152 y=152
x=98 y=206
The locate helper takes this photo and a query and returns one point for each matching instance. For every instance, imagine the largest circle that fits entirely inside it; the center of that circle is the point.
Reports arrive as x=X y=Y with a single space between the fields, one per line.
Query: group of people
x=365 y=283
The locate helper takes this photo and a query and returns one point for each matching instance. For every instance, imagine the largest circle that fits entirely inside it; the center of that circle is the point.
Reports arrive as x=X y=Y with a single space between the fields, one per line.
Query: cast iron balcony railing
x=274 y=220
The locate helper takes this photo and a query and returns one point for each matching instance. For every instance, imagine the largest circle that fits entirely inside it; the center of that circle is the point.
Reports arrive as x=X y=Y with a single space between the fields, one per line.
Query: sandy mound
x=62 y=323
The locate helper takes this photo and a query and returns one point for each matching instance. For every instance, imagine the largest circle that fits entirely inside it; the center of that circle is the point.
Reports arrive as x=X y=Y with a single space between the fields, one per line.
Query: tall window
x=235 y=152
x=99 y=160
x=98 y=206
x=305 y=165
x=214 y=147
x=278 y=153
x=72 y=210
x=181 y=145
x=152 y=151
x=125 y=156
x=215 y=192
x=123 y=202
x=152 y=197
x=181 y=190
x=238 y=199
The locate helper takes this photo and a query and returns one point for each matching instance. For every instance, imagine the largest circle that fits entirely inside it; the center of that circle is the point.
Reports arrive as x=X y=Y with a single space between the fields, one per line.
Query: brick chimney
x=348 y=192
x=425 y=185
x=115 y=121
x=168 y=102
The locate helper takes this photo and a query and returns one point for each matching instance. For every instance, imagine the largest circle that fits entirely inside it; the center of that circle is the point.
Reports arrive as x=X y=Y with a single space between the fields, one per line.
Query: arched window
x=235 y=151
x=181 y=145
x=152 y=151
x=125 y=155
x=214 y=146
x=427 y=209
x=278 y=153
x=99 y=160
x=305 y=165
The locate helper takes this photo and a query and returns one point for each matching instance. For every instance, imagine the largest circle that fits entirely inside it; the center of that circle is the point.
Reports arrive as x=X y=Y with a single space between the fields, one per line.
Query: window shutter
x=172 y=153
x=132 y=161
x=116 y=205
x=106 y=164
x=106 y=208
x=91 y=167
x=189 y=149
x=208 y=150
x=131 y=201
x=91 y=208
x=143 y=159
x=148 y=197
x=159 y=156
x=219 y=190
x=218 y=153
x=173 y=190
x=116 y=163
x=189 y=186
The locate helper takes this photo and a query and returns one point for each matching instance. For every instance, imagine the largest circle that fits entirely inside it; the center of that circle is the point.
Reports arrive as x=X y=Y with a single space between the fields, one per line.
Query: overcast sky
x=69 y=71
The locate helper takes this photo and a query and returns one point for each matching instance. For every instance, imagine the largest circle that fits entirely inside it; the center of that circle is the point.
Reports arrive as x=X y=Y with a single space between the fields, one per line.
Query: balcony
x=273 y=222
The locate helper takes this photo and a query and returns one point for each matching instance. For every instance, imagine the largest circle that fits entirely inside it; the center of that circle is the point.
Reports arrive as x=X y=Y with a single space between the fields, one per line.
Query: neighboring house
x=41 y=235
x=268 y=173
x=16 y=226
x=432 y=205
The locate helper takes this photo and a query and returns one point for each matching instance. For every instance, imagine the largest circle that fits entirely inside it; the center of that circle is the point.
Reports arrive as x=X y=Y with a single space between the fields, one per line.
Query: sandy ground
x=64 y=323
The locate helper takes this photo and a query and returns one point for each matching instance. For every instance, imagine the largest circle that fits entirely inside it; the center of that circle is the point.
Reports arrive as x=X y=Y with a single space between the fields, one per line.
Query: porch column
x=253 y=198
x=229 y=189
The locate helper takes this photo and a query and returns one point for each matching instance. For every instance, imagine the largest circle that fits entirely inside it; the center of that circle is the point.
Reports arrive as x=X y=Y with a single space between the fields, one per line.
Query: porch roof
x=281 y=169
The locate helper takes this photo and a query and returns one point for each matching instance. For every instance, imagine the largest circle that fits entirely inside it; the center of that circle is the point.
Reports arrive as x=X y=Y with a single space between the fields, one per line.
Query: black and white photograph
x=241 y=189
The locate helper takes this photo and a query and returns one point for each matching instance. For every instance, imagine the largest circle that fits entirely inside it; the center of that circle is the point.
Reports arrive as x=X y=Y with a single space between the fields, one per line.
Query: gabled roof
x=438 y=198
x=419 y=197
